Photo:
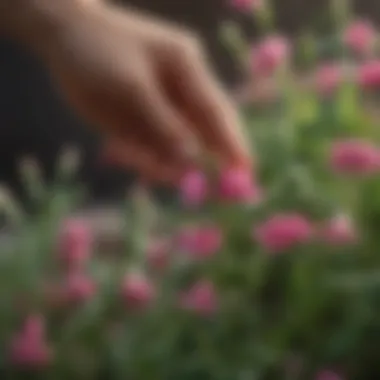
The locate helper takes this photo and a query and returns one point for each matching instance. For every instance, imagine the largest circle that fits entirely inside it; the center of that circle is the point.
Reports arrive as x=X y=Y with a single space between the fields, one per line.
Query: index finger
x=214 y=117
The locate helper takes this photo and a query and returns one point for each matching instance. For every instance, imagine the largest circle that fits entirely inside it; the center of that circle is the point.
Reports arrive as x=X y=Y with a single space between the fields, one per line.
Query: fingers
x=146 y=125
x=138 y=157
x=137 y=108
x=162 y=126
x=213 y=115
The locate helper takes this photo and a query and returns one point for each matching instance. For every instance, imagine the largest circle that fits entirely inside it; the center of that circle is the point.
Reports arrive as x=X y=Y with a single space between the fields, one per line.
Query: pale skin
x=144 y=84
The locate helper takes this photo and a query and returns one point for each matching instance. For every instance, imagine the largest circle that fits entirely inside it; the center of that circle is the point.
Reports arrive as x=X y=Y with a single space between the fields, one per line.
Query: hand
x=147 y=87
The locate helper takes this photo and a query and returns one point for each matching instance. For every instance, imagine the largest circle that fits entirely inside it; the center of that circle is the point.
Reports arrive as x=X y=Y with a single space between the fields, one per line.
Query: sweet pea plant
x=268 y=274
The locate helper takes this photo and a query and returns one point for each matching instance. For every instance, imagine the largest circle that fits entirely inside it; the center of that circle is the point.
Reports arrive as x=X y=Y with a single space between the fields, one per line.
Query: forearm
x=35 y=23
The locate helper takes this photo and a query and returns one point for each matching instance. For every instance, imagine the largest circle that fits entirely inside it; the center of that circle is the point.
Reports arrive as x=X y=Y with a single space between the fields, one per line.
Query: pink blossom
x=247 y=5
x=137 y=291
x=355 y=157
x=368 y=75
x=328 y=375
x=269 y=55
x=360 y=36
x=193 y=189
x=339 y=231
x=75 y=243
x=200 y=298
x=28 y=347
x=201 y=241
x=327 y=78
x=283 y=231
x=78 y=288
x=75 y=289
x=158 y=253
x=238 y=185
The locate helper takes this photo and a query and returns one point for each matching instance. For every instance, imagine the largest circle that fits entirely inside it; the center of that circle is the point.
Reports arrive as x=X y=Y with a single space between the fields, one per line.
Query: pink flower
x=201 y=242
x=75 y=289
x=269 y=55
x=200 y=298
x=78 y=288
x=327 y=78
x=339 y=231
x=193 y=189
x=360 y=36
x=283 y=231
x=158 y=253
x=75 y=243
x=368 y=75
x=246 y=5
x=355 y=157
x=238 y=185
x=137 y=290
x=328 y=375
x=28 y=347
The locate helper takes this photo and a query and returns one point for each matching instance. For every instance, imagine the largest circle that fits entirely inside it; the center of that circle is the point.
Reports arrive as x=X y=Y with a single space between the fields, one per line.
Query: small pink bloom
x=158 y=253
x=75 y=243
x=238 y=185
x=193 y=189
x=75 y=289
x=328 y=78
x=34 y=326
x=355 y=157
x=269 y=55
x=28 y=347
x=328 y=375
x=339 y=231
x=78 y=288
x=360 y=36
x=201 y=242
x=283 y=231
x=368 y=75
x=200 y=298
x=137 y=290
x=247 y=5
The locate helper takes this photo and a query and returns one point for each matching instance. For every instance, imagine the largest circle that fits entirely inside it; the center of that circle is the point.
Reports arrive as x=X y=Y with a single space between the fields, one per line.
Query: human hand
x=146 y=85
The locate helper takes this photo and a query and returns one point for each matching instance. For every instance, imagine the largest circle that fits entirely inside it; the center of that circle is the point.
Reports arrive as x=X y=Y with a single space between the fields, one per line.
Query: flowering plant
x=269 y=275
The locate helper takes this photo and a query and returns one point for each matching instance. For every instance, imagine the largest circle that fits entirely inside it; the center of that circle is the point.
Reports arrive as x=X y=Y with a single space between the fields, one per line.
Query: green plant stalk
x=341 y=11
x=31 y=176
x=265 y=18
x=232 y=37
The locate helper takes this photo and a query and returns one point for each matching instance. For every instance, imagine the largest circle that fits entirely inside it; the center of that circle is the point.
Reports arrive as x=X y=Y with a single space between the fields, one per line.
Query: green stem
x=266 y=19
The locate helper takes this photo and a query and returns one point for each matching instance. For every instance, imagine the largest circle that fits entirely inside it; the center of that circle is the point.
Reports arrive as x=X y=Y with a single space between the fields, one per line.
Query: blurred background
x=36 y=122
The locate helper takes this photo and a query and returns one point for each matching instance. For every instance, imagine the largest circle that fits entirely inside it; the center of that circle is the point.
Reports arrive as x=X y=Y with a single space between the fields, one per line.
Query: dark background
x=34 y=121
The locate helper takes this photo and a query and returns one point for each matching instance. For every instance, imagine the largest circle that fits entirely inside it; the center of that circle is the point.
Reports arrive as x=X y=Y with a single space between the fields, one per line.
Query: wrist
x=37 y=23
